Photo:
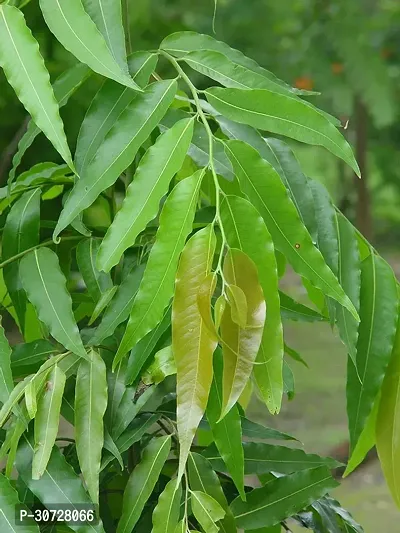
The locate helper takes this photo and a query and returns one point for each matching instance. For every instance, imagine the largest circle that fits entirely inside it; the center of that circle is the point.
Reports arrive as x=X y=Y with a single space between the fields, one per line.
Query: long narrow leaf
x=45 y=286
x=26 y=72
x=77 y=32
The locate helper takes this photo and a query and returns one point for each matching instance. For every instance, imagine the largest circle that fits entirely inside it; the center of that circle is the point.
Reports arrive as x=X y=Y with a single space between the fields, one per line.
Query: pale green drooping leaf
x=107 y=105
x=349 y=276
x=45 y=286
x=107 y=15
x=203 y=478
x=257 y=431
x=119 y=148
x=219 y=309
x=30 y=399
x=77 y=32
x=6 y=377
x=166 y=513
x=378 y=313
x=15 y=395
x=268 y=194
x=150 y=183
x=142 y=482
x=97 y=283
x=281 y=497
x=206 y=510
x=227 y=433
x=156 y=287
x=237 y=214
x=120 y=306
x=204 y=297
x=64 y=86
x=90 y=406
x=47 y=420
x=8 y=503
x=238 y=303
x=162 y=366
x=387 y=423
x=192 y=344
x=283 y=115
x=240 y=346
x=25 y=70
x=21 y=231
x=261 y=458
x=59 y=483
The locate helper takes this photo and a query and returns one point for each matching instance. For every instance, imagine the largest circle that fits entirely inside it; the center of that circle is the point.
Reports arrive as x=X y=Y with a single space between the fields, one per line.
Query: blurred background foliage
x=347 y=50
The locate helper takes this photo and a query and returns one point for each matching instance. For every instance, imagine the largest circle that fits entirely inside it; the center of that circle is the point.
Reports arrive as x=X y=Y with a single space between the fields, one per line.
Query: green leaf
x=206 y=510
x=59 y=483
x=378 y=313
x=90 y=406
x=64 y=86
x=283 y=115
x=156 y=288
x=15 y=395
x=6 y=378
x=253 y=430
x=237 y=213
x=128 y=409
x=266 y=191
x=30 y=399
x=288 y=381
x=281 y=498
x=107 y=15
x=227 y=434
x=150 y=183
x=166 y=513
x=238 y=304
x=204 y=297
x=77 y=32
x=241 y=345
x=162 y=366
x=21 y=231
x=203 y=478
x=119 y=148
x=192 y=344
x=136 y=430
x=142 y=482
x=260 y=458
x=120 y=306
x=45 y=286
x=25 y=70
x=97 y=283
x=199 y=149
x=47 y=420
x=387 y=423
x=110 y=101
x=181 y=43
x=115 y=390
x=102 y=304
x=292 y=310
x=218 y=67
x=142 y=351
x=26 y=358
x=8 y=504
x=279 y=155
x=349 y=276
x=111 y=446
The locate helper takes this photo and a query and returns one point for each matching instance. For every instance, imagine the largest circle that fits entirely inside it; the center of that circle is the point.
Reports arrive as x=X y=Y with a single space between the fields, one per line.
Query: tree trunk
x=363 y=206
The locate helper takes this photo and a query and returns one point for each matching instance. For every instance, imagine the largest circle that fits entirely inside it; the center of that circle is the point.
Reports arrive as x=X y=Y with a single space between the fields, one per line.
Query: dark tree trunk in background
x=363 y=206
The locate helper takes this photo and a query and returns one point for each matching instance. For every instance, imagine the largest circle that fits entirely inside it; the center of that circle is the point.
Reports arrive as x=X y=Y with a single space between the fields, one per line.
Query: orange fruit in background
x=337 y=68
x=304 y=83
x=386 y=52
